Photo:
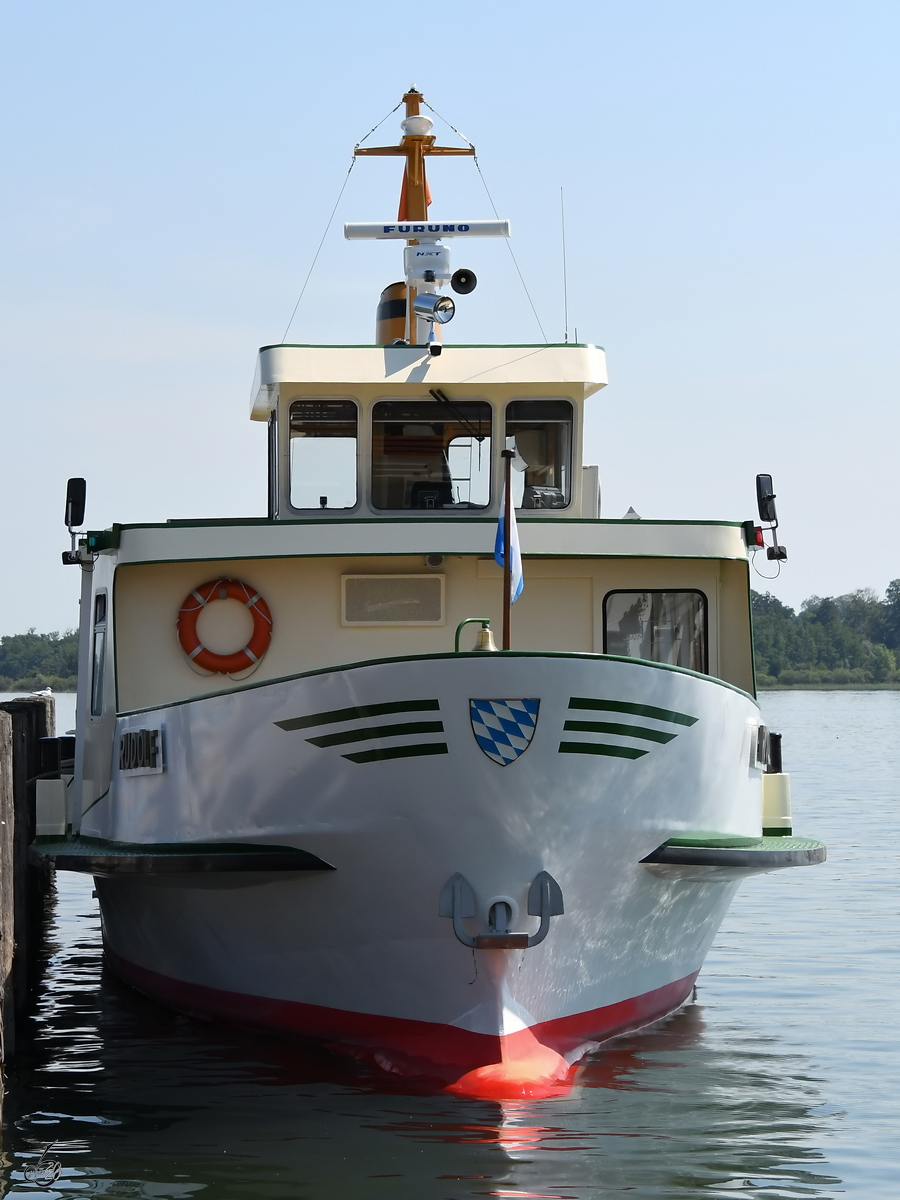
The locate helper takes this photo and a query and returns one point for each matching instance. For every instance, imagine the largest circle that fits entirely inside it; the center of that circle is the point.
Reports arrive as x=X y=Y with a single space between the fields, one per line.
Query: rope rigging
x=343 y=188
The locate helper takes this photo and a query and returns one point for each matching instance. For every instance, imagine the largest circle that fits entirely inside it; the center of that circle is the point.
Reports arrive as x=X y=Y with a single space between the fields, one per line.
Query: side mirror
x=765 y=502
x=76 y=494
x=765 y=499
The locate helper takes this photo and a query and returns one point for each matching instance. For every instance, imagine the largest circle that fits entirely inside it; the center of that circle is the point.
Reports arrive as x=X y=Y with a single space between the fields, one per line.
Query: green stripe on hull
x=635 y=731
x=383 y=752
x=377 y=731
x=600 y=748
x=353 y=714
x=637 y=710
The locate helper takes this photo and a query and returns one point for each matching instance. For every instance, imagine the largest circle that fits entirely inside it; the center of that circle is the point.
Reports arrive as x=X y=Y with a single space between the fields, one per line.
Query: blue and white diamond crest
x=504 y=728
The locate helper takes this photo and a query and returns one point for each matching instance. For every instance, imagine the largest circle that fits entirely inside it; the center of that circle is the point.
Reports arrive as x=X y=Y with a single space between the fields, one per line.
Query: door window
x=664 y=627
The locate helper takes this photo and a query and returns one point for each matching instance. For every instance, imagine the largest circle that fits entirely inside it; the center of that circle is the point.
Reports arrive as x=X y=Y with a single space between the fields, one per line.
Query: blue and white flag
x=515 y=554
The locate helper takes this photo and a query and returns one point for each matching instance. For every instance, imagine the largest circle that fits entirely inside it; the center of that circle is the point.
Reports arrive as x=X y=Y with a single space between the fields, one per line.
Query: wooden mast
x=414 y=195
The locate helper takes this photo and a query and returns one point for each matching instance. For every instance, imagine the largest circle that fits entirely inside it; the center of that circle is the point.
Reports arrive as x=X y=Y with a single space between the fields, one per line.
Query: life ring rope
x=224 y=664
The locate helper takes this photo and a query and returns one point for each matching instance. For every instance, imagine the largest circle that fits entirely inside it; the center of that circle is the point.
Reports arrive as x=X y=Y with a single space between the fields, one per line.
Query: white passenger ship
x=314 y=804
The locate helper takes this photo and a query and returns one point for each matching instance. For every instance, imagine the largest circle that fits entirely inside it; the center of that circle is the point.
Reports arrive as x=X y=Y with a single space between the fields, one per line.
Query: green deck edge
x=706 y=838
x=94 y=856
x=768 y=853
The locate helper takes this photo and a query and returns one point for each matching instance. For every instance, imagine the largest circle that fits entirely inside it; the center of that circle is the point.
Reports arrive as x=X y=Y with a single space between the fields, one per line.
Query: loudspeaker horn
x=463 y=281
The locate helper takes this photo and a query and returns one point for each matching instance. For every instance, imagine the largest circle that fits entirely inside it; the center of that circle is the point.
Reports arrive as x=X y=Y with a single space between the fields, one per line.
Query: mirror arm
x=775 y=552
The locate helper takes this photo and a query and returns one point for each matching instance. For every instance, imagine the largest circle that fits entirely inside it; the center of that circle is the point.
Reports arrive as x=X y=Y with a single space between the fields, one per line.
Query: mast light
x=417 y=126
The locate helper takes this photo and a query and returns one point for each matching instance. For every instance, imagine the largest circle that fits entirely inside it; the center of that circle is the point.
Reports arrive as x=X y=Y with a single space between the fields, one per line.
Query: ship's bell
x=485 y=640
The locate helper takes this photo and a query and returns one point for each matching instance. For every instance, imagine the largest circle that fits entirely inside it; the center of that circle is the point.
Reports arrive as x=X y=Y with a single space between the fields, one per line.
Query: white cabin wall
x=304 y=596
x=564 y=606
x=735 y=634
x=561 y=609
x=590 y=492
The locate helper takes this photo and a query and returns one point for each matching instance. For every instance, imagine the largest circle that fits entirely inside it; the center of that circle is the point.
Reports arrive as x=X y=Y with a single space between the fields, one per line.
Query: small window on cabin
x=663 y=627
x=323 y=454
x=98 y=654
x=428 y=455
x=540 y=431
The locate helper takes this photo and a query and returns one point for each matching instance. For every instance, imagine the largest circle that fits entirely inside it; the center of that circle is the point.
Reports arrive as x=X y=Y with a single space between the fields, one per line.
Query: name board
x=141 y=751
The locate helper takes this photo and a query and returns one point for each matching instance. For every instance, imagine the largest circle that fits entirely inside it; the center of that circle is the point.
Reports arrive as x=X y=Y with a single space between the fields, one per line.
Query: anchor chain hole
x=500 y=917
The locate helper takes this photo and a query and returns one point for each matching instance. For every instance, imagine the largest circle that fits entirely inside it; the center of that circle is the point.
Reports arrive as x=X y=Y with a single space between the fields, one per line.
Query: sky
x=730 y=175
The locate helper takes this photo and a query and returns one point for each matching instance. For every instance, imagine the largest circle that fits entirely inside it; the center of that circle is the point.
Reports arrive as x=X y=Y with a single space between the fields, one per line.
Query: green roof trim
x=424 y=347
x=208 y=522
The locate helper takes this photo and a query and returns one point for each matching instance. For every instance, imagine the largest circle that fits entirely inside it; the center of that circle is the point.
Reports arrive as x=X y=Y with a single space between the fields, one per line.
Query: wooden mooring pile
x=27 y=746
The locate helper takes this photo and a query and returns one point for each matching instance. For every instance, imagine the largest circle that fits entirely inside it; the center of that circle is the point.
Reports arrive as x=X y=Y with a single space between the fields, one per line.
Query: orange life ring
x=193 y=606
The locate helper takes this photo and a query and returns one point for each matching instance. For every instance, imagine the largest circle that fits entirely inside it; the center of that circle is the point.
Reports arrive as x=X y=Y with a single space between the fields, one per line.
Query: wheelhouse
x=418 y=436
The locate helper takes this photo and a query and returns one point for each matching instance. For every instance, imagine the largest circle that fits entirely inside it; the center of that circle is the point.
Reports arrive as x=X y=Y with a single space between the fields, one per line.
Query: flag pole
x=508 y=456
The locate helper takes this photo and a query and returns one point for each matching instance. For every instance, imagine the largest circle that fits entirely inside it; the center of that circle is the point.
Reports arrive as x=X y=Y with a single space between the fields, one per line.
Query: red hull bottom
x=533 y=1062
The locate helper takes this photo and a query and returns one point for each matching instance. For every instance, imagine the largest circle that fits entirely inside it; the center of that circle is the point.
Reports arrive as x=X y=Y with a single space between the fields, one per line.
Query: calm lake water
x=781 y=1080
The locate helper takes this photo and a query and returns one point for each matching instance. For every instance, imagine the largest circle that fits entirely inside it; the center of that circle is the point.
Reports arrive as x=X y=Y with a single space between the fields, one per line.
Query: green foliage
x=882 y=664
x=29 y=661
x=846 y=640
x=891 y=615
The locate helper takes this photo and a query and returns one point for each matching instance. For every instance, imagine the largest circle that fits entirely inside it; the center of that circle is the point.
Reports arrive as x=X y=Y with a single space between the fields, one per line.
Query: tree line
x=844 y=640
x=851 y=639
x=31 y=661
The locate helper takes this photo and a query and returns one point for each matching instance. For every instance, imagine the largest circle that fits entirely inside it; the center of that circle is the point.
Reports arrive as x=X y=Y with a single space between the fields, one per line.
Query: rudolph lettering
x=141 y=750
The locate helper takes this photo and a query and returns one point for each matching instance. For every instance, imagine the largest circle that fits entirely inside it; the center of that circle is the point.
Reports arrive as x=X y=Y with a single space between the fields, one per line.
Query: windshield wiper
x=466 y=424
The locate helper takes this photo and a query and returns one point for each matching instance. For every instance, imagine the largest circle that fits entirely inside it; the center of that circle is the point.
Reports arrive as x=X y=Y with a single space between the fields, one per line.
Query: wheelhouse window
x=323 y=454
x=429 y=455
x=664 y=627
x=540 y=431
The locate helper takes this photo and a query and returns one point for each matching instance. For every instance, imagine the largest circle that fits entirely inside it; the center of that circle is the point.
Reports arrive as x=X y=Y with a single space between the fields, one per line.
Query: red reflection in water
x=619 y=1065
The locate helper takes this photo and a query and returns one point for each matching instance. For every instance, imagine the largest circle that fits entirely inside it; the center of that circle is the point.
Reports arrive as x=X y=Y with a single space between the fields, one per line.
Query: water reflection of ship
x=676 y=1109
x=163 y=1106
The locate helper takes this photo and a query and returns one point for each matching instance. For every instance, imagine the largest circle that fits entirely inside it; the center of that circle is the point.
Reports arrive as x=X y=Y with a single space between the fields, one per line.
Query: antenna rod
x=562 y=214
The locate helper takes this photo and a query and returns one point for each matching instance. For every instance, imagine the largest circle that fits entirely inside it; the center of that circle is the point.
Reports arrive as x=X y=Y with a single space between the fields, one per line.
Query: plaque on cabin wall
x=141 y=751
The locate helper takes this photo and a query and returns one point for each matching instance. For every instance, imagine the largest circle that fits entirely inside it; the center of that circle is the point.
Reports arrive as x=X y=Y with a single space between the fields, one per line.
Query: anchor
x=545 y=900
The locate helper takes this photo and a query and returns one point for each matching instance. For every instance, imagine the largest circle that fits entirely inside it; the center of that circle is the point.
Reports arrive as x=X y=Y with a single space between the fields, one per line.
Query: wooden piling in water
x=7 y=905
x=23 y=887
